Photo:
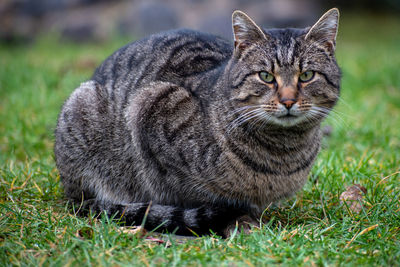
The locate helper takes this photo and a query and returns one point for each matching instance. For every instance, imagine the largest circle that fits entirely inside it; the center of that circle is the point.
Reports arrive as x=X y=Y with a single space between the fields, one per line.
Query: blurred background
x=100 y=20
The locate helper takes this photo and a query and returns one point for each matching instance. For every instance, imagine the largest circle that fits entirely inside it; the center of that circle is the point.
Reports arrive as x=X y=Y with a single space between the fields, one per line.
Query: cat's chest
x=261 y=176
x=265 y=181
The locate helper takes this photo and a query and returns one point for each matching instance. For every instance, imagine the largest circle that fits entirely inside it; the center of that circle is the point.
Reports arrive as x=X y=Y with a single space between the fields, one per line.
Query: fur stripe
x=243 y=156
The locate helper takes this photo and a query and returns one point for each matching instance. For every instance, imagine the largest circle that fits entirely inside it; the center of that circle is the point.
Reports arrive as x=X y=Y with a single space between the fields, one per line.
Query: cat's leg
x=74 y=136
x=167 y=133
x=164 y=218
x=92 y=147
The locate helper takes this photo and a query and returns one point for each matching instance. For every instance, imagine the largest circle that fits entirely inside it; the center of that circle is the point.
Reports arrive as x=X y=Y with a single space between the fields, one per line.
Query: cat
x=187 y=132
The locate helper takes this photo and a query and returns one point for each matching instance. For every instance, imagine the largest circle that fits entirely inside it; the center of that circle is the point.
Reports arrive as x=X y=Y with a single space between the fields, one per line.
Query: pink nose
x=287 y=102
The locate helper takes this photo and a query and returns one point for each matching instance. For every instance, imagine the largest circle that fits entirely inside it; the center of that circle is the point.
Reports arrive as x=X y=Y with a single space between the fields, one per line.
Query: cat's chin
x=288 y=121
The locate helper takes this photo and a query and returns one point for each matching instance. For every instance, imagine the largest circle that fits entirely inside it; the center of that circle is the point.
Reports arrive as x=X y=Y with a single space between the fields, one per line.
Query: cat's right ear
x=325 y=30
x=245 y=30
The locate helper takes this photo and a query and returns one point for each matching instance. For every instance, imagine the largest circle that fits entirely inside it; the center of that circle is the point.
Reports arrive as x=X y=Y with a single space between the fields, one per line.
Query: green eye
x=266 y=77
x=306 y=76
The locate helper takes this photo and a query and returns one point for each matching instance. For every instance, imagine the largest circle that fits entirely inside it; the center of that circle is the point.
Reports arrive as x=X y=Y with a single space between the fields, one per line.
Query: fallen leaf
x=353 y=197
x=85 y=233
x=156 y=240
x=134 y=230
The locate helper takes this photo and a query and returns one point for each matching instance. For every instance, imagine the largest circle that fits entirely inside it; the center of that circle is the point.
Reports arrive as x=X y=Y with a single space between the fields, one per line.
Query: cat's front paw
x=243 y=224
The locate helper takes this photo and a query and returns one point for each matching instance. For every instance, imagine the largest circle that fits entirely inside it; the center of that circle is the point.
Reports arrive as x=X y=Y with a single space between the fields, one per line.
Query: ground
x=313 y=228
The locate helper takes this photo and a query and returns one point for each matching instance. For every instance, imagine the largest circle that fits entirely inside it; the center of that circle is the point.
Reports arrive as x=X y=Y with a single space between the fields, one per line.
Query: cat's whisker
x=255 y=114
x=243 y=118
x=245 y=115
x=319 y=112
x=264 y=117
x=267 y=118
x=240 y=109
x=261 y=116
x=251 y=109
x=235 y=111
x=312 y=117
x=341 y=114
x=337 y=119
x=341 y=100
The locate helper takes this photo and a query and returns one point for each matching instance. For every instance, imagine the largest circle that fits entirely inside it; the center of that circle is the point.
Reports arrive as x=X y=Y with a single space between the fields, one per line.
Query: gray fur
x=183 y=121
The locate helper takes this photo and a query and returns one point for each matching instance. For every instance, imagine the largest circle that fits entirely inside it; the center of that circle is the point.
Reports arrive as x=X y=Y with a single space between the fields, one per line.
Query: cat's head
x=283 y=77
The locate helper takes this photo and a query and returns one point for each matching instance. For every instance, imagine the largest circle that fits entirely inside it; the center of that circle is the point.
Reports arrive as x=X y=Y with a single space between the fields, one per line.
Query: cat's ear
x=325 y=30
x=245 y=31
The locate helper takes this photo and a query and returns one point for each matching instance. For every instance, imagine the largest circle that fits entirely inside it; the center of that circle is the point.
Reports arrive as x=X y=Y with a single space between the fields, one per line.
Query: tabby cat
x=187 y=132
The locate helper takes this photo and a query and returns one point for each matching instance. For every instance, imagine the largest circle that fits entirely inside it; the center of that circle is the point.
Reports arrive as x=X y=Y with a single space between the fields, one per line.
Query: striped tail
x=162 y=218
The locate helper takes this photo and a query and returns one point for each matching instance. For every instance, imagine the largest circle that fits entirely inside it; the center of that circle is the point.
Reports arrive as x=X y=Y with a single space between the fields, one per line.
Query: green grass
x=37 y=228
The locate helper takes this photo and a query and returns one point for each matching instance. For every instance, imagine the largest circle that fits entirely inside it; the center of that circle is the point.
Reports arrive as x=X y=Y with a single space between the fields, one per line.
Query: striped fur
x=183 y=120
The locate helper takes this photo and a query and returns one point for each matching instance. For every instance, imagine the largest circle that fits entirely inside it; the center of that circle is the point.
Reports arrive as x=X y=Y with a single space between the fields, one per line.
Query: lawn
x=313 y=228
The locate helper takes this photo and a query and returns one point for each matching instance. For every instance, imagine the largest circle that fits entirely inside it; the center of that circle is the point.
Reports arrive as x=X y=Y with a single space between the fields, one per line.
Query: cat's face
x=285 y=77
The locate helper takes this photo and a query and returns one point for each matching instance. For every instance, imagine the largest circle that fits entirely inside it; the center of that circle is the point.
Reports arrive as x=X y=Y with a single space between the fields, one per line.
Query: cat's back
x=173 y=56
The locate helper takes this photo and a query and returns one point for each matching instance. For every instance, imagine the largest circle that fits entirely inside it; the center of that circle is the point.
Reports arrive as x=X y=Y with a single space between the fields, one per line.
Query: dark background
x=100 y=20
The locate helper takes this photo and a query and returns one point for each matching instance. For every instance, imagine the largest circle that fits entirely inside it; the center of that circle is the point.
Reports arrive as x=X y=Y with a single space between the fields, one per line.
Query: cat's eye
x=266 y=77
x=306 y=76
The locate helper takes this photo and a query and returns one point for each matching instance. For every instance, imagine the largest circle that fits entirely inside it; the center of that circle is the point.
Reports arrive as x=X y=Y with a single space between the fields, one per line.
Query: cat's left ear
x=325 y=30
x=245 y=30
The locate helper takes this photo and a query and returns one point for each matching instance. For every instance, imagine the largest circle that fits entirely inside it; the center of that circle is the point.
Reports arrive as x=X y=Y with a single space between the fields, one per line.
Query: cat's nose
x=288 y=102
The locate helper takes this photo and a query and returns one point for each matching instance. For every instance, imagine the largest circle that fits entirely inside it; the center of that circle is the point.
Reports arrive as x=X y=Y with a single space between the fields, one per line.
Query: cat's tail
x=162 y=218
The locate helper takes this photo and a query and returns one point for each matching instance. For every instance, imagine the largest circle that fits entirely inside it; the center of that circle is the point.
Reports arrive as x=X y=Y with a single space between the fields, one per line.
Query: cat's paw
x=243 y=224
x=85 y=207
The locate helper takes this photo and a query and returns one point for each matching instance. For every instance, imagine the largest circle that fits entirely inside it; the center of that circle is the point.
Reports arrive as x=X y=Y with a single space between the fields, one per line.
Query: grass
x=37 y=228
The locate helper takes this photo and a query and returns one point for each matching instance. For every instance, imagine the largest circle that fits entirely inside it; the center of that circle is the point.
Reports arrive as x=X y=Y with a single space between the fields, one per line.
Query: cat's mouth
x=288 y=116
x=288 y=119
